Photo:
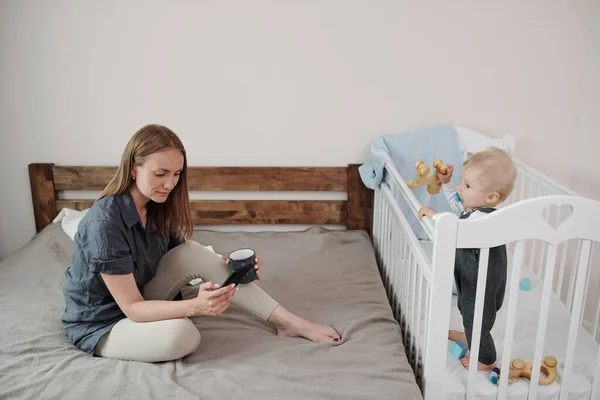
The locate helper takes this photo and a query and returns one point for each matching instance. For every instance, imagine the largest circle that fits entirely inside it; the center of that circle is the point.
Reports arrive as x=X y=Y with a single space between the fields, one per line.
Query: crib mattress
x=528 y=311
x=327 y=277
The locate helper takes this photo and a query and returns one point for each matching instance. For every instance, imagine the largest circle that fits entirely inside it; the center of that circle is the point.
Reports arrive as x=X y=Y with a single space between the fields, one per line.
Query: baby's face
x=471 y=193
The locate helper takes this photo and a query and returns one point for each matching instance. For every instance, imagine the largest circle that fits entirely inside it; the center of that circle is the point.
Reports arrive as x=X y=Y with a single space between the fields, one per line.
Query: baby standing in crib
x=487 y=179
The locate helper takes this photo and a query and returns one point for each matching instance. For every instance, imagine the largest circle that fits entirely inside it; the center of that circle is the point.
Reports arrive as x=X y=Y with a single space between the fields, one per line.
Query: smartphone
x=237 y=276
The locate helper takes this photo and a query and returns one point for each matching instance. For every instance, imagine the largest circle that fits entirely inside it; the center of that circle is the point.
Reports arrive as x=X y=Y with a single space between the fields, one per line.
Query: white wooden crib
x=549 y=232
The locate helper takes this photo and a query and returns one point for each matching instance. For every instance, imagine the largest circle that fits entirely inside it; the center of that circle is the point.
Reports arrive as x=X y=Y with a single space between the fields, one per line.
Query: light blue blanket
x=404 y=150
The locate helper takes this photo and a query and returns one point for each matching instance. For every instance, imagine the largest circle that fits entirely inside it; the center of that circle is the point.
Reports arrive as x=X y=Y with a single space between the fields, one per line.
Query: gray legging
x=175 y=338
x=466 y=271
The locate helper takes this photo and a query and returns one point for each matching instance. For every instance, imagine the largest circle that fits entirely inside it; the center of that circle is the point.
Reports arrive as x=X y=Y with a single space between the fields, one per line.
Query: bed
x=333 y=280
x=550 y=234
x=388 y=293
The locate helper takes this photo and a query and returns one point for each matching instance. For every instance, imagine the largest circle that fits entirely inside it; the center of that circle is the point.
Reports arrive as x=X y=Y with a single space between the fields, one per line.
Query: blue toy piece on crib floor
x=495 y=375
x=458 y=349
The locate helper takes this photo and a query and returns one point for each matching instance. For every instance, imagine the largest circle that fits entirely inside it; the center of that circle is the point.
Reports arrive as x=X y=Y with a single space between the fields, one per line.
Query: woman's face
x=159 y=174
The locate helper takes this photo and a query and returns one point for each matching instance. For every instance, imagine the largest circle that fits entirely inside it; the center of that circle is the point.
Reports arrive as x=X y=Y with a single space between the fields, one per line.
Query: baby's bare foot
x=480 y=367
x=458 y=337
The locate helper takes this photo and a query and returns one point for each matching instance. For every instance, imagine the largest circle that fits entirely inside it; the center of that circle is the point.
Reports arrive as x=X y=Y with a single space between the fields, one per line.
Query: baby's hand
x=445 y=178
x=426 y=212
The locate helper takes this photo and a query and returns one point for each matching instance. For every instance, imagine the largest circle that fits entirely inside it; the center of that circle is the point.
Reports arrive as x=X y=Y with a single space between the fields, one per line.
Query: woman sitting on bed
x=130 y=259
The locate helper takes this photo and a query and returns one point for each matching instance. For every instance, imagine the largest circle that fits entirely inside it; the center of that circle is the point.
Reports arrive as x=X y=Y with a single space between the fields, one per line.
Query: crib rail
x=532 y=184
x=406 y=273
x=493 y=230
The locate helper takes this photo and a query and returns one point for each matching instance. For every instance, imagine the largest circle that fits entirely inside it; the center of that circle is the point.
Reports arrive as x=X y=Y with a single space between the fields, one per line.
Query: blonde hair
x=173 y=216
x=494 y=171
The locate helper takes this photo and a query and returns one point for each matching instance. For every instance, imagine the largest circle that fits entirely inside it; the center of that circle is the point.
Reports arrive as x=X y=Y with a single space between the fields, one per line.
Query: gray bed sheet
x=329 y=277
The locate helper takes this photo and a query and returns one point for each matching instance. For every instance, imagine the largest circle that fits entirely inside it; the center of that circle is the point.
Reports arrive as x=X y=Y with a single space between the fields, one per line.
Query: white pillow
x=69 y=220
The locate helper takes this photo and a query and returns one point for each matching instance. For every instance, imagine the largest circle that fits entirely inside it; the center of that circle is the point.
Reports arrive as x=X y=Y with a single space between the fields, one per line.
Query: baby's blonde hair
x=493 y=170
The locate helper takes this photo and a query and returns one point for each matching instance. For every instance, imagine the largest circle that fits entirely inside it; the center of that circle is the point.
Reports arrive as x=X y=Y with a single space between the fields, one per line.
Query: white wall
x=290 y=82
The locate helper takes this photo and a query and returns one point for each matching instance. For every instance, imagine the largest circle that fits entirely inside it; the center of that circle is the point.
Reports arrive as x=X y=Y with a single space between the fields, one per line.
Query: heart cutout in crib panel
x=556 y=215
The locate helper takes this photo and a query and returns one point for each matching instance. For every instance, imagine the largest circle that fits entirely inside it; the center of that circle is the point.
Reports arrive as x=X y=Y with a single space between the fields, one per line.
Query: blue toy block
x=525 y=284
x=495 y=375
x=458 y=350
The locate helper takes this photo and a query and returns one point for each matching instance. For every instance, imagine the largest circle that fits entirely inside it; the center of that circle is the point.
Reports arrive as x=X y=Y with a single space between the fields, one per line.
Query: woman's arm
x=129 y=299
x=110 y=256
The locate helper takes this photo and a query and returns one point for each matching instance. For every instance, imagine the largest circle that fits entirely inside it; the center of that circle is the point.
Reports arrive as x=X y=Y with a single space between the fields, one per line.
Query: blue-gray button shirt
x=110 y=239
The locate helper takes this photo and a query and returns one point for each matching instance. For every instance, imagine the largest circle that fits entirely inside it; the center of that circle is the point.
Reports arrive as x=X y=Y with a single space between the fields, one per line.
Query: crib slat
x=386 y=249
x=522 y=186
x=396 y=270
x=382 y=235
x=419 y=318
x=428 y=291
x=542 y=323
x=511 y=317
x=383 y=247
x=532 y=264
x=391 y=267
x=484 y=255
x=376 y=214
x=582 y=268
x=596 y=381
x=407 y=317
x=402 y=249
x=406 y=268
x=403 y=267
x=395 y=283
x=587 y=278
x=405 y=284
x=596 y=317
x=512 y=198
x=561 y=271
x=406 y=290
x=400 y=270
x=535 y=266
x=406 y=260
x=397 y=266
x=573 y=275
x=377 y=226
x=405 y=299
x=543 y=244
x=403 y=253
x=394 y=266
x=413 y=309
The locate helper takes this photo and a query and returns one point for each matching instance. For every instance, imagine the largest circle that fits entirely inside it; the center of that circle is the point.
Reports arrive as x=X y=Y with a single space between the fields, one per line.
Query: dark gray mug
x=239 y=259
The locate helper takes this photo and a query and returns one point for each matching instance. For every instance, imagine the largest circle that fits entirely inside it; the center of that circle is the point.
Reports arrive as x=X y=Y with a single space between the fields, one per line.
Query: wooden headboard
x=49 y=180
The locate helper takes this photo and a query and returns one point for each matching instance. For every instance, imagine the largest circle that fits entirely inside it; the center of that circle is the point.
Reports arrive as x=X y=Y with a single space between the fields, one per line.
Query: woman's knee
x=190 y=248
x=158 y=341
x=184 y=338
x=184 y=255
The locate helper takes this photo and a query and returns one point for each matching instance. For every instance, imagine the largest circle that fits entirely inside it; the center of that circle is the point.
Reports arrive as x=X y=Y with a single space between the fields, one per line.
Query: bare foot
x=310 y=331
x=288 y=324
x=458 y=337
x=480 y=367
